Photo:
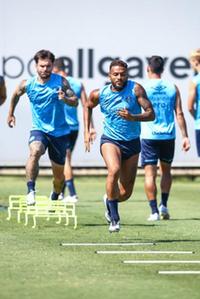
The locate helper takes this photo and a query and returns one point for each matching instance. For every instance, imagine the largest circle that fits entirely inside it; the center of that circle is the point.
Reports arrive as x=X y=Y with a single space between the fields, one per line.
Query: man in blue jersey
x=158 y=136
x=2 y=90
x=120 y=102
x=71 y=115
x=48 y=94
x=194 y=96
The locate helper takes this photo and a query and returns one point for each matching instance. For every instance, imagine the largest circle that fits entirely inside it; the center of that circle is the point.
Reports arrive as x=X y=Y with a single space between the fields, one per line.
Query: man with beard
x=48 y=93
x=121 y=103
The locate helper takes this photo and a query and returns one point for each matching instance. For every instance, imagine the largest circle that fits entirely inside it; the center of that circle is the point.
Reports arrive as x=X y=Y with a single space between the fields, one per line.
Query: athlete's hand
x=11 y=121
x=185 y=144
x=61 y=94
x=87 y=141
x=93 y=135
x=125 y=114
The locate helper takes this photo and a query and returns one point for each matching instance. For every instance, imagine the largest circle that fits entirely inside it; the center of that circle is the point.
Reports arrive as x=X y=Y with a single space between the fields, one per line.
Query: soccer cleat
x=154 y=217
x=164 y=213
x=70 y=199
x=30 y=198
x=114 y=227
x=61 y=196
x=107 y=214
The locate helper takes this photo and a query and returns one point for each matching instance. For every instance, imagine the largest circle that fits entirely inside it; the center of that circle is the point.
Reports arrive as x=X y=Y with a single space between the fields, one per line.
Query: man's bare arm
x=19 y=91
x=66 y=94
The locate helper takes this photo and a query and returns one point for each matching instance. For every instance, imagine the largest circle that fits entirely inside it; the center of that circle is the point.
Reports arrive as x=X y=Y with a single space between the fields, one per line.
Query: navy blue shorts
x=127 y=148
x=197 y=135
x=72 y=139
x=57 y=146
x=154 y=150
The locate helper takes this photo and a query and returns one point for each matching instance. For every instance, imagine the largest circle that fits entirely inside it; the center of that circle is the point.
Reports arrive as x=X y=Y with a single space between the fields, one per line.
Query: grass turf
x=34 y=265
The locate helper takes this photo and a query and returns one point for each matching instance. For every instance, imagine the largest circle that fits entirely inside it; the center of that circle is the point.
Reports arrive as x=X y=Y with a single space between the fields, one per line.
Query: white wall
x=107 y=28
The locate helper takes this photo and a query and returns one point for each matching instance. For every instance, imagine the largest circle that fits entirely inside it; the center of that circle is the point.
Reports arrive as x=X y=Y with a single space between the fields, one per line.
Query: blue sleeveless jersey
x=162 y=95
x=48 y=112
x=196 y=80
x=111 y=102
x=71 y=113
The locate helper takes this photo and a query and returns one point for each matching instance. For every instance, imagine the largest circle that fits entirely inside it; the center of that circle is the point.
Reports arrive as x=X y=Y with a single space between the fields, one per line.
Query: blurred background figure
x=71 y=116
x=194 y=95
x=2 y=90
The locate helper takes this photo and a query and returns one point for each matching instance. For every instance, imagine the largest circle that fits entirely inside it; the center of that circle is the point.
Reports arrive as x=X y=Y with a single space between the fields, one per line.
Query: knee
x=114 y=173
x=125 y=194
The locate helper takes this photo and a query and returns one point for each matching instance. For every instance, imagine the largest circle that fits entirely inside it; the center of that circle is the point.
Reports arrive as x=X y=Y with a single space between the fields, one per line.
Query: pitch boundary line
x=160 y=262
x=142 y=252
x=178 y=272
x=106 y=244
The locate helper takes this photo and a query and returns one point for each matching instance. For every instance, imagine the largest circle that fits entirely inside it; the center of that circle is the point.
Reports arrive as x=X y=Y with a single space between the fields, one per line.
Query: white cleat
x=70 y=199
x=154 y=217
x=61 y=196
x=114 y=227
x=30 y=198
x=164 y=213
x=107 y=214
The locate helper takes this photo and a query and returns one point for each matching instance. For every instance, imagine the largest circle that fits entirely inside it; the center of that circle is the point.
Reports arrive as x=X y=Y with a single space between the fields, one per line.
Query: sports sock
x=54 y=195
x=113 y=206
x=108 y=207
x=31 y=186
x=71 y=187
x=153 y=206
x=164 y=199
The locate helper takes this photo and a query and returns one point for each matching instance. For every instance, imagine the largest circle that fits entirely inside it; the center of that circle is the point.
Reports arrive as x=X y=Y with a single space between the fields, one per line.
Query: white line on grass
x=178 y=272
x=160 y=262
x=142 y=252
x=106 y=244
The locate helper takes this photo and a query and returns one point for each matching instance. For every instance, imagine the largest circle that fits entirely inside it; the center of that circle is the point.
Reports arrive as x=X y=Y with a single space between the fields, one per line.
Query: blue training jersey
x=111 y=102
x=71 y=113
x=162 y=95
x=48 y=112
x=196 y=80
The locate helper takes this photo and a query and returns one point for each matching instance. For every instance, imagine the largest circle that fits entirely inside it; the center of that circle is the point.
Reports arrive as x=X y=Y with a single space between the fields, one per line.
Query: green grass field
x=34 y=265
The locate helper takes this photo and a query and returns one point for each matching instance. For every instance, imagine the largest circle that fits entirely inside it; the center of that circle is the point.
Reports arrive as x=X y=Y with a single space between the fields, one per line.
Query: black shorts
x=127 y=148
x=72 y=139
x=197 y=136
x=154 y=150
x=57 y=146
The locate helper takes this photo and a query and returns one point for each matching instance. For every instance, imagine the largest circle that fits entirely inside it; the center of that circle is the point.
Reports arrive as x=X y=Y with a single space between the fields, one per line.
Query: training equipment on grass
x=160 y=262
x=142 y=252
x=105 y=244
x=43 y=208
x=178 y=272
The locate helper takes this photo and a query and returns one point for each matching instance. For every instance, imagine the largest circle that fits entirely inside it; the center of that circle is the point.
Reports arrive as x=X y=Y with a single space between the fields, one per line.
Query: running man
x=48 y=94
x=120 y=103
x=71 y=116
x=158 y=136
x=2 y=90
x=194 y=96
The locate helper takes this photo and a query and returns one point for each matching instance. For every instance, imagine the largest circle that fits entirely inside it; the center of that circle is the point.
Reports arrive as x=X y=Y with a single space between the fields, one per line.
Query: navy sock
x=164 y=199
x=153 y=206
x=113 y=206
x=31 y=186
x=108 y=207
x=71 y=187
x=54 y=195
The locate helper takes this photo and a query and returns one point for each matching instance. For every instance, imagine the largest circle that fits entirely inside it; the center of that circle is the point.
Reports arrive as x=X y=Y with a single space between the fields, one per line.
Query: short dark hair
x=156 y=64
x=59 y=63
x=44 y=54
x=118 y=62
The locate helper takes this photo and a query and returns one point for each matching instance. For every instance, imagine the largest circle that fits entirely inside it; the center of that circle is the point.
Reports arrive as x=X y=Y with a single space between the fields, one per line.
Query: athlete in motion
x=158 y=136
x=120 y=103
x=48 y=94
